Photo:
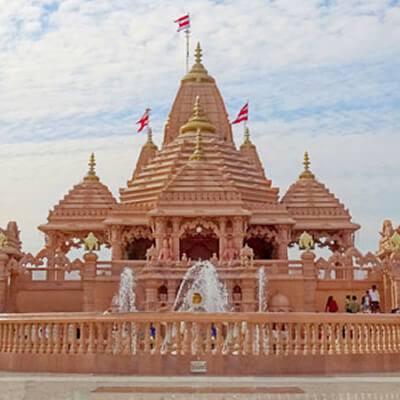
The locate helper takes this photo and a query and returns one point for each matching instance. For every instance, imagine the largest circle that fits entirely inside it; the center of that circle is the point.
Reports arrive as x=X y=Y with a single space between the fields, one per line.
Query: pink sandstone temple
x=196 y=197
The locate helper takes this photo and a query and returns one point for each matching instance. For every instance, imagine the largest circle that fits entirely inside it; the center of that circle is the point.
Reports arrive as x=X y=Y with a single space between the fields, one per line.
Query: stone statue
x=3 y=240
x=230 y=252
x=91 y=242
x=166 y=250
x=246 y=256
x=306 y=241
x=395 y=242
x=385 y=247
x=151 y=254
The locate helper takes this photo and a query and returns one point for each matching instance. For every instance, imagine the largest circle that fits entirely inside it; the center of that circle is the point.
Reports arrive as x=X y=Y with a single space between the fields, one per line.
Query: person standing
x=331 y=305
x=354 y=305
x=366 y=303
x=375 y=299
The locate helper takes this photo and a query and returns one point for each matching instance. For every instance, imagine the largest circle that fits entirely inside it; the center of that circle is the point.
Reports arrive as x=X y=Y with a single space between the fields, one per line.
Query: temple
x=198 y=196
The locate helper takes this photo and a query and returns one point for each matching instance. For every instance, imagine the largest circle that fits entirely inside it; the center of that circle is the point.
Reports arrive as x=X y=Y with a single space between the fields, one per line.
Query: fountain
x=126 y=294
x=201 y=290
x=262 y=285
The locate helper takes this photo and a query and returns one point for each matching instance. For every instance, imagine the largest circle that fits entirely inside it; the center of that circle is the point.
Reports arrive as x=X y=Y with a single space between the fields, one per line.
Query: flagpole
x=187 y=49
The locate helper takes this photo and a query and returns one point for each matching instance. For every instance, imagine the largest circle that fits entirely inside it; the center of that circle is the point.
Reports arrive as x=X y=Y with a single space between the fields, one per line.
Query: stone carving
x=390 y=241
x=3 y=240
x=395 y=242
x=306 y=241
x=91 y=242
x=230 y=252
x=246 y=256
x=151 y=254
x=166 y=249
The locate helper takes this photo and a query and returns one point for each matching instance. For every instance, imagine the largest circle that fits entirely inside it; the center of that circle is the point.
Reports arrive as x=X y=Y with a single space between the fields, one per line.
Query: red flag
x=184 y=23
x=144 y=121
x=243 y=114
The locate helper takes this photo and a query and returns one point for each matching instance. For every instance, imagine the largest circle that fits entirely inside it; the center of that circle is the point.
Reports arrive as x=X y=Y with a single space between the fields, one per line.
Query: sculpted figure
x=166 y=250
x=246 y=256
x=385 y=247
x=91 y=242
x=230 y=252
x=306 y=241
x=3 y=240
x=151 y=254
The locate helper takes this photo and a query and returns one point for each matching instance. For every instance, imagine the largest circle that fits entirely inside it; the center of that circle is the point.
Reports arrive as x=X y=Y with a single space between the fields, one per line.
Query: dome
x=279 y=302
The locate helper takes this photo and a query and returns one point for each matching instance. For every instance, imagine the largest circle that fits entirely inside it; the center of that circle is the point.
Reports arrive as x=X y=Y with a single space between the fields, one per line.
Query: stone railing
x=167 y=343
x=180 y=334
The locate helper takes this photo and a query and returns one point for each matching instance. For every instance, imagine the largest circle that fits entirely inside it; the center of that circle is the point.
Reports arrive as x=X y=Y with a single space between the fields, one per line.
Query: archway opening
x=198 y=246
x=136 y=250
x=263 y=250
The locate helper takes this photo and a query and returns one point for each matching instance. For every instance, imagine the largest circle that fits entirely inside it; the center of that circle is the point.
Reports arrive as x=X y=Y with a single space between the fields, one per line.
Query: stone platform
x=97 y=387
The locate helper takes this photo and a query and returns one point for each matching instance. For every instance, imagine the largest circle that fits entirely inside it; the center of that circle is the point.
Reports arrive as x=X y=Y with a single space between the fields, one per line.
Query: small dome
x=279 y=302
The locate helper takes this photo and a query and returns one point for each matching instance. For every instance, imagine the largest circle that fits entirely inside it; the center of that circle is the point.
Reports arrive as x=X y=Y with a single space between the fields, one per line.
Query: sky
x=320 y=75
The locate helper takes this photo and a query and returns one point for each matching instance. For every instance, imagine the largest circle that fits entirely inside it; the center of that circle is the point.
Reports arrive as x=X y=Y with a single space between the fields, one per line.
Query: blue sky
x=321 y=76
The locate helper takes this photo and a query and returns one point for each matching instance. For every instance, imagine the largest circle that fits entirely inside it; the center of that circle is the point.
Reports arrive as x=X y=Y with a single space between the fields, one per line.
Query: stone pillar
x=89 y=281
x=151 y=295
x=175 y=238
x=116 y=244
x=172 y=285
x=248 y=295
x=3 y=281
x=310 y=281
x=283 y=241
x=51 y=245
x=238 y=232
x=159 y=232
x=222 y=232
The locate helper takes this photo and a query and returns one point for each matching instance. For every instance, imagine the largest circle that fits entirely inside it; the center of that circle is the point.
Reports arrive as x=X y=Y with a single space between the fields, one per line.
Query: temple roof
x=84 y=207
x=313 y=206
x=221 y=171
x=198 y=83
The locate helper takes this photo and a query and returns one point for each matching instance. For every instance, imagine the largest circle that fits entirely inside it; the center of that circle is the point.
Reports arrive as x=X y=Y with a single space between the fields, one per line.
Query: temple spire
x=306 y=174
x=247 y=141
x=198 y=153
x=91 y=175
x=198 y=73
x=198 y=120
x=150 y=142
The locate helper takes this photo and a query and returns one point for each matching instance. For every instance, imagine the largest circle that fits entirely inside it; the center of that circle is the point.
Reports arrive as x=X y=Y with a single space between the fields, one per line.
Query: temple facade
x=198 y=196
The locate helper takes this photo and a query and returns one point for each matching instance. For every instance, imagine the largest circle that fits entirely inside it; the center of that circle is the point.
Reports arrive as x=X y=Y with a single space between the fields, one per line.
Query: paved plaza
x=91 y=387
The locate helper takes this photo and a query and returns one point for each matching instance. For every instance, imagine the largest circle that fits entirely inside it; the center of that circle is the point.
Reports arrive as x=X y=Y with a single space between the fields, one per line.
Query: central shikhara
x=197 y=197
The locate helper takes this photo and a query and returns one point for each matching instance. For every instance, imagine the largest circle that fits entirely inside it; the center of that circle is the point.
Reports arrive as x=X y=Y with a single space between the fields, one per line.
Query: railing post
x=310 y=281
x=89 y=277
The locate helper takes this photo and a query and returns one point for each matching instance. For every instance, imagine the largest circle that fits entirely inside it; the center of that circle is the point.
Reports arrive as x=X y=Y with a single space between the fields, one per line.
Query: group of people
x=370 y=303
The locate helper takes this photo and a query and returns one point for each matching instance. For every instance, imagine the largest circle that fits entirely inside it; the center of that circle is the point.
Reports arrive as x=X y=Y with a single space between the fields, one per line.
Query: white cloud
x=321 y=78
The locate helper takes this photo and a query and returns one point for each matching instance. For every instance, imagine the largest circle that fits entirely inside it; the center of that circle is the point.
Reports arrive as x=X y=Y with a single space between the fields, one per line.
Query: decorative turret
x=249 y=150
x=91 y=175
x=198 y=73
x=148 y=152
x=198 y=82
x=247 y=142
x=198 y=153
x=306 y=174
x=198 y=122
x=317 y=211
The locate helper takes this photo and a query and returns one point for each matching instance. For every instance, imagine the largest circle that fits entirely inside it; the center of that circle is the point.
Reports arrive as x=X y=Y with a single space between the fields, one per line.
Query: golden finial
x=247 y=142
x=198 y=73
x=198 y=53
x=306 y=174
x=149 y=142
x=198 y=153
x=198 y=120
x=91 y=175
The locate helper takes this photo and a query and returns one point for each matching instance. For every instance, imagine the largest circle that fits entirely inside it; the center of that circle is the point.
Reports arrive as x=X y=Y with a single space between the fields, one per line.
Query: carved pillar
x=283 y=242
x=172 y=285
x=222 y=238
x=89 y=281
x=159 y=232
x=51 y=243
x=3 y=281
x=238 y=232
x=116 y=243
x=248 y=287
x=310 y=281
x=151 y=295
x=348 y=240
x=175 y=237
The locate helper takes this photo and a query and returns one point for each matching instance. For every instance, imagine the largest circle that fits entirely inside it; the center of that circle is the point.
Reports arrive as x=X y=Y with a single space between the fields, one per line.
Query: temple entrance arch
x=263 y=249
x=264 y=240
x=199 y=240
